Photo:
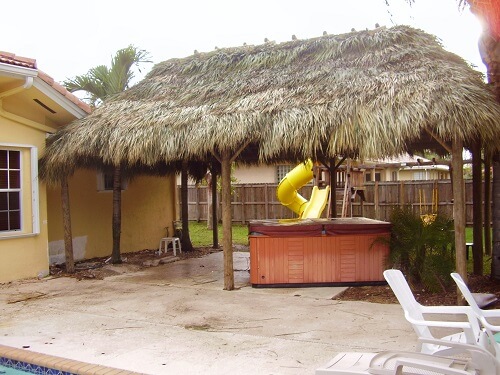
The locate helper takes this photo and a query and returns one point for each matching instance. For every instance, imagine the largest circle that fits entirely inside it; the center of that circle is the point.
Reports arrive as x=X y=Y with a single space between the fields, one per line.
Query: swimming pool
x=15 y=361
x=14 y=367
x=21 y=368
x=10 y=371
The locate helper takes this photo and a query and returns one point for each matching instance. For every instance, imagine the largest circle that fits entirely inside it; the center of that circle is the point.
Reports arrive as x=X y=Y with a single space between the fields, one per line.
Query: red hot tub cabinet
x=315 y=252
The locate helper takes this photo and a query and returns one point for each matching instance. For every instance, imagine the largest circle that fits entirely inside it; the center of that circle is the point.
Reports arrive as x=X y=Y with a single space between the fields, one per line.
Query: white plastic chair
x=482 y=315
x=165 y=241
x=469 y=331
x=474 y=360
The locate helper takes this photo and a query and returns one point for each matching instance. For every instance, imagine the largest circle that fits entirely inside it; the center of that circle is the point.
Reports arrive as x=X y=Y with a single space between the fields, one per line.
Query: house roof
x=407 y=161
x=26 y=62
x=370 y=94
x=12 y=59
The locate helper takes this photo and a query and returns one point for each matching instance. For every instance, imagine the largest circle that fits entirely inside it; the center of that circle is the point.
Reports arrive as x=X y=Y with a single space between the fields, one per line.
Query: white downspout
x=28 y=82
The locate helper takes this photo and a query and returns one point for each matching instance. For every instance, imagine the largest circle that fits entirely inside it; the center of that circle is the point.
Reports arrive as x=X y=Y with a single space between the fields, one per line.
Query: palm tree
x=101 y=83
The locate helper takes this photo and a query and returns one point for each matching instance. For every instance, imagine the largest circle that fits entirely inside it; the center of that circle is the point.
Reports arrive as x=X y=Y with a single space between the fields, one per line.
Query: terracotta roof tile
x=46 y=78
x=12 y=59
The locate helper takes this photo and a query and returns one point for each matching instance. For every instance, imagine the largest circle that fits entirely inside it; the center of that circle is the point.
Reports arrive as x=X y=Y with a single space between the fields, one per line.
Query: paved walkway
x=175 y=318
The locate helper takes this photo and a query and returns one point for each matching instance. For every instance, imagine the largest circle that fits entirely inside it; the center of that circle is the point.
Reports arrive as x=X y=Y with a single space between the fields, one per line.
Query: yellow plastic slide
x=289 y=197
x=316 y=204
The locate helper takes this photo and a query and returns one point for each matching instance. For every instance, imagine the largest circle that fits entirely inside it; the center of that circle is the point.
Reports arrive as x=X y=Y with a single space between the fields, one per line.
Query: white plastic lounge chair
x=482 y=315
x=475 y=360
x=449 y=317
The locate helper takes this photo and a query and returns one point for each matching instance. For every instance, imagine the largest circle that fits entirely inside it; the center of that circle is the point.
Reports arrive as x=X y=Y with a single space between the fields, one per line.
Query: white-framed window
x=105 y=181
x=419 y=175
x=394 y=175
x=10 y=190
x=282 y=170
x=340 y=178
x=370 y=174
x=19 y=191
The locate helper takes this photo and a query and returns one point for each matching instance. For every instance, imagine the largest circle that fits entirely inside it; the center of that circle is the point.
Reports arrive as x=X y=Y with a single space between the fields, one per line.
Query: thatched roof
x=370 y=93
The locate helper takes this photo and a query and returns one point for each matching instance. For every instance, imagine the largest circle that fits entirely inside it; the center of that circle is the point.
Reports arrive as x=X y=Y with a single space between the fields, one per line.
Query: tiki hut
x=373 y=93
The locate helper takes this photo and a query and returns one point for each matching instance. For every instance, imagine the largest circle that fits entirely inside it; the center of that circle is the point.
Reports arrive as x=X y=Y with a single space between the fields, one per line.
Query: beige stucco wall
x=11 y=105
x=147 y=208
x=24 y=254
x=430 y=174
x=244 y=174
x=406 y=174
x=262 y=174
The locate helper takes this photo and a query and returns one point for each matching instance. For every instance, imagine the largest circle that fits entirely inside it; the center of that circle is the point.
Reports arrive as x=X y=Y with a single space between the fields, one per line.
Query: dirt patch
x=100 y=268
x=384 y=294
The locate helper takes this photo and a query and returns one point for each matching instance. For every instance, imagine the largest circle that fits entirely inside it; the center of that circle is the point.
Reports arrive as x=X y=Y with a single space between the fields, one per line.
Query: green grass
x=468 y=234
x=486 y=258
x=201 y=236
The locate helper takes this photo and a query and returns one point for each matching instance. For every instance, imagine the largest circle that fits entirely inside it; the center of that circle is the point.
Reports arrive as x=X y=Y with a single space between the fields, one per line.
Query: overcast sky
x=68 y=37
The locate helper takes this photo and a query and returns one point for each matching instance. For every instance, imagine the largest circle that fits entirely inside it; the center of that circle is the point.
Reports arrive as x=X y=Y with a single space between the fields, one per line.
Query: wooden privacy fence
x=259 y=202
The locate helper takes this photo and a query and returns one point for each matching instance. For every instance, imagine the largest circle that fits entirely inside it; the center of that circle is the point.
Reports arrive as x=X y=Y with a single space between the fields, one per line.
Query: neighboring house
x=32 y=106
x=405 y=168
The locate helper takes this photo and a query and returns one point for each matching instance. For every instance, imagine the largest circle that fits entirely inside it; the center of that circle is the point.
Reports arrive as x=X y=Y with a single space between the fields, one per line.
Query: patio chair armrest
x=491 y=313
x=446 y=310
x=426 y=365
x=480 y=356
x=494 y=328
x=451 y=344
x=438 y=323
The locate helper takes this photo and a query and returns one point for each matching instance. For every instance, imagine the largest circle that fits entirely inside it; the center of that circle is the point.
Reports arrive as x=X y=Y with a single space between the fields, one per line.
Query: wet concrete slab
x=177 y=318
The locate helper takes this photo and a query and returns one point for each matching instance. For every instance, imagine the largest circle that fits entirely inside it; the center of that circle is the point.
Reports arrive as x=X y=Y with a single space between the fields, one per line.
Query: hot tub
x=316 y=252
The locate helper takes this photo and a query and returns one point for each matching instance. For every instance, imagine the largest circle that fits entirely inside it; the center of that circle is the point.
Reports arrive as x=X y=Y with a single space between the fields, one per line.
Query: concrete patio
x=175 y=318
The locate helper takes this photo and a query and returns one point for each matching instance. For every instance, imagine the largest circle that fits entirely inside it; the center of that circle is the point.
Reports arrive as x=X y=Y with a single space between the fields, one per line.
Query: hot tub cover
x=317 y=227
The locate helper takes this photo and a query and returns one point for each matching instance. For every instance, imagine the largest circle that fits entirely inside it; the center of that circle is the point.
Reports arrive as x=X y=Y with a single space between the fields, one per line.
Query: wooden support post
x=227 y=239
x=487 y=203
x=215 y=223
x=459 y=208
x=186 y=238
x=68 y=237
x=209 y=191
x=495 y=217
x=477 y=208
x=117 y=215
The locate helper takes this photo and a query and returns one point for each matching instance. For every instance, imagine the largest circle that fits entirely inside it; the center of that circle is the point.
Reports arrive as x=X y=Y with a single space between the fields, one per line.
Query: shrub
x=422 y=249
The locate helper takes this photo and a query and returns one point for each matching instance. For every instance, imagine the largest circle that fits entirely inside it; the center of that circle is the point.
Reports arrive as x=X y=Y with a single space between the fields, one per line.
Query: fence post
x=242 y=192
x=362 y=208
x=376 y=200
x=266 y=202
x=401 y=193
x=197 y=203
